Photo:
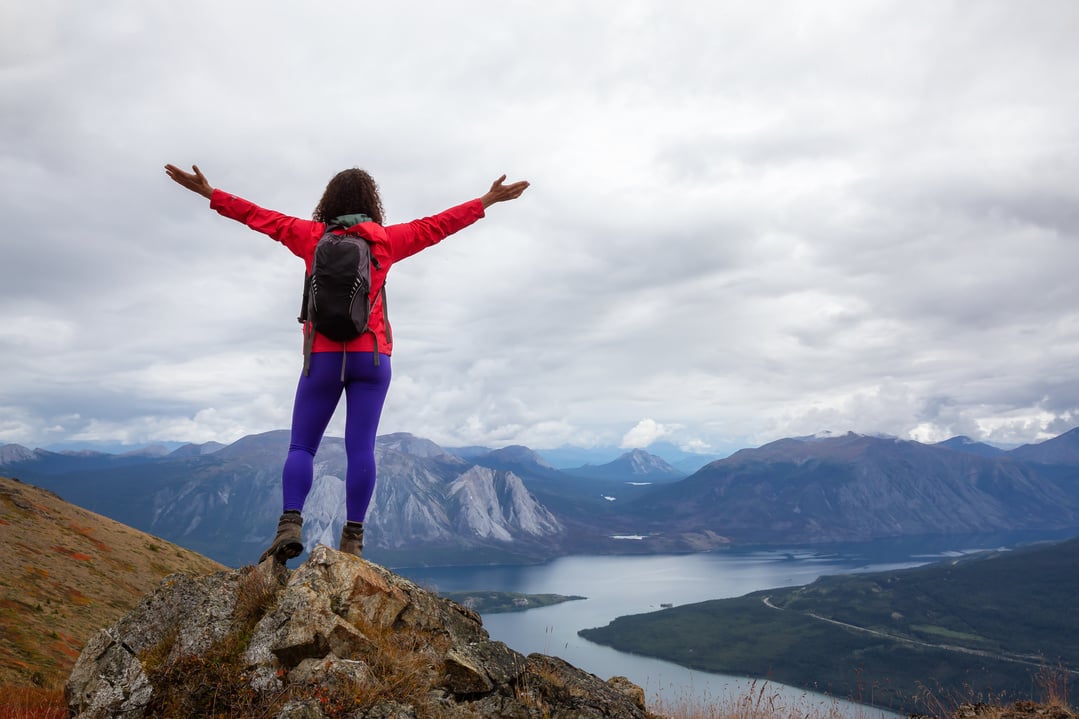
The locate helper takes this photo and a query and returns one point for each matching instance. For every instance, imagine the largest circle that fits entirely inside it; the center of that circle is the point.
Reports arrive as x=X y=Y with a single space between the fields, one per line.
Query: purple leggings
x=317 y=395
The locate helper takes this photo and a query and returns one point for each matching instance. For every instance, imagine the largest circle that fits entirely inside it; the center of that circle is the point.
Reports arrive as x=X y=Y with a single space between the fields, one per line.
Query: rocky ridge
x=337 y=637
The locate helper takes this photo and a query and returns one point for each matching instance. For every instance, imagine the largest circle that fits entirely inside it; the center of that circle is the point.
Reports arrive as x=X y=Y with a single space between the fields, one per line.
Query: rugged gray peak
x=338 y=636
x=420 y=503
x=494 y=504
x=12 y=453
x=642 y=463
x=415 y=446
x=407 y=508
x=635 y=465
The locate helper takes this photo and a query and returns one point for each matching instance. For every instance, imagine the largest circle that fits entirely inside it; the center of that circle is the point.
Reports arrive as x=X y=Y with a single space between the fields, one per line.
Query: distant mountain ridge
x=473 y=505
x=635 y=465
x=966 y=444
x=857 y=487
x=1061 y=450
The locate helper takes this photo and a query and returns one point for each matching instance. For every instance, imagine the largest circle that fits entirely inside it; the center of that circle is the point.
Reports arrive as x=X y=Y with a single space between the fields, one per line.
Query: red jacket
x=388 y=245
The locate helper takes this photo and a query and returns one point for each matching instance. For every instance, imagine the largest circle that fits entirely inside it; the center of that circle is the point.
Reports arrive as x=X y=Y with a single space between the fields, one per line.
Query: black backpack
x=336 y=294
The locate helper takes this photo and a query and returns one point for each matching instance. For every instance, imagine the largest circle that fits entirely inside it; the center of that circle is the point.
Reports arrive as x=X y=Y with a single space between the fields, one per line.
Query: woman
x=359 y=367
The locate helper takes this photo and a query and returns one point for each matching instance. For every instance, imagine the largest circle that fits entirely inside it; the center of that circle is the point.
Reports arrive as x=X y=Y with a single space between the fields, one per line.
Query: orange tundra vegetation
x=31 y=703
x=69 y=573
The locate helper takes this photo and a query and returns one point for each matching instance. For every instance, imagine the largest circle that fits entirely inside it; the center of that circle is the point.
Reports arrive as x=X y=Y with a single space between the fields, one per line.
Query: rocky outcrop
x=337 y=637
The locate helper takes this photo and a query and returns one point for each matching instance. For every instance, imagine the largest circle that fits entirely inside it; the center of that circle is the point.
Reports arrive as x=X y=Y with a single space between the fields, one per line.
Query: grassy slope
x=65 y=573
x=984 y=625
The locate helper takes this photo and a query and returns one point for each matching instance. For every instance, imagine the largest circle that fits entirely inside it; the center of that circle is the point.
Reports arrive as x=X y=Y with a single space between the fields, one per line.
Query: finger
x=198 y=172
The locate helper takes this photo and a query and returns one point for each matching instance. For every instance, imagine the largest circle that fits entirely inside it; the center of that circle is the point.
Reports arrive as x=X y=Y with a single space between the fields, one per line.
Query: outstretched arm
x=195 y=182
x=299 y=236
x=498 y=191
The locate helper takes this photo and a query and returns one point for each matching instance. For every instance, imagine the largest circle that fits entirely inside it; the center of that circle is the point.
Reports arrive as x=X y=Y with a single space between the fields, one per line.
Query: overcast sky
x=747 y=220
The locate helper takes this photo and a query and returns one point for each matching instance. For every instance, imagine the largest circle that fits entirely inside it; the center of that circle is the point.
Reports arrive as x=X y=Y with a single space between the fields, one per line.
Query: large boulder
x=337 y=637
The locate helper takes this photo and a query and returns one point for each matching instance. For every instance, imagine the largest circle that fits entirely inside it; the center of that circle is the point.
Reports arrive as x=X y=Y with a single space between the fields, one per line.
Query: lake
x=618 y=585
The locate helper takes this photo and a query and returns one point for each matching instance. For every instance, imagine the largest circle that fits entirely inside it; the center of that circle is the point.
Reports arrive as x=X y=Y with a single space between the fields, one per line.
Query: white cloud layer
x=645 y=433
x=746 y=220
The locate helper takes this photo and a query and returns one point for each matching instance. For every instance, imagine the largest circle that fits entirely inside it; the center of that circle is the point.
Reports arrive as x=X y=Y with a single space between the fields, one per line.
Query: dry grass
x=942 y=704
x=210 y=685
x=1051 y=690
x=70 y=573
x=256 y=594
x=1053 y=682
x=404 y=664
x=31 y=703
x=761 y=700
x=214 y=684
x=528 y=691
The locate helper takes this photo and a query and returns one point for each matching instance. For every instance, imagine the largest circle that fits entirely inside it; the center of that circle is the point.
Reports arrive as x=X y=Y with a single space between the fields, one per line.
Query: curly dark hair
x=350 y=192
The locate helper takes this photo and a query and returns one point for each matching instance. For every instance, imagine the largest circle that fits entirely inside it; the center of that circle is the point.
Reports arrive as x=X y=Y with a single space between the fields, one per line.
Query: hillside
x=987 y=623
x=65 y=573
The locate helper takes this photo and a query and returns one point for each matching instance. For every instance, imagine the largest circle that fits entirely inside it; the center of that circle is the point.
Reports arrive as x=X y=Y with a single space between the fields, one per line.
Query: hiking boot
x=352 y=538
x=288 y=542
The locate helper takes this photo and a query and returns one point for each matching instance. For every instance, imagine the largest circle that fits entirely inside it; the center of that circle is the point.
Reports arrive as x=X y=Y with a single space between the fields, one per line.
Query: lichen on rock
x=337 y=637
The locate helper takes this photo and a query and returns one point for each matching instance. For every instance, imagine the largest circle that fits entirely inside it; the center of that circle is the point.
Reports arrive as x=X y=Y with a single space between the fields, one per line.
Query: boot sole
x=282 y=551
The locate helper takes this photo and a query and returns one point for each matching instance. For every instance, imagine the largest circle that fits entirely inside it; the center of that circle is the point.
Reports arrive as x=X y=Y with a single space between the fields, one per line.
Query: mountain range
x=473 y=505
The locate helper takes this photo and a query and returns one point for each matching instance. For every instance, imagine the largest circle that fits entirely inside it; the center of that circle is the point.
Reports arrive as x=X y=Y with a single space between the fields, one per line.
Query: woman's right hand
x=195 y=182
x=501 y=193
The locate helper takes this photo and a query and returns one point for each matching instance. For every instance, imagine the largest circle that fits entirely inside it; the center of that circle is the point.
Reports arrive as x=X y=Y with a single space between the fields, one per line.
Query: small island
x=500 y=602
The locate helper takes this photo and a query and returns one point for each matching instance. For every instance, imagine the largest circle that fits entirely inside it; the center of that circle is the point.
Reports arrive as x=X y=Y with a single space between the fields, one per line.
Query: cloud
x=645 y=433
x=745 y=221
